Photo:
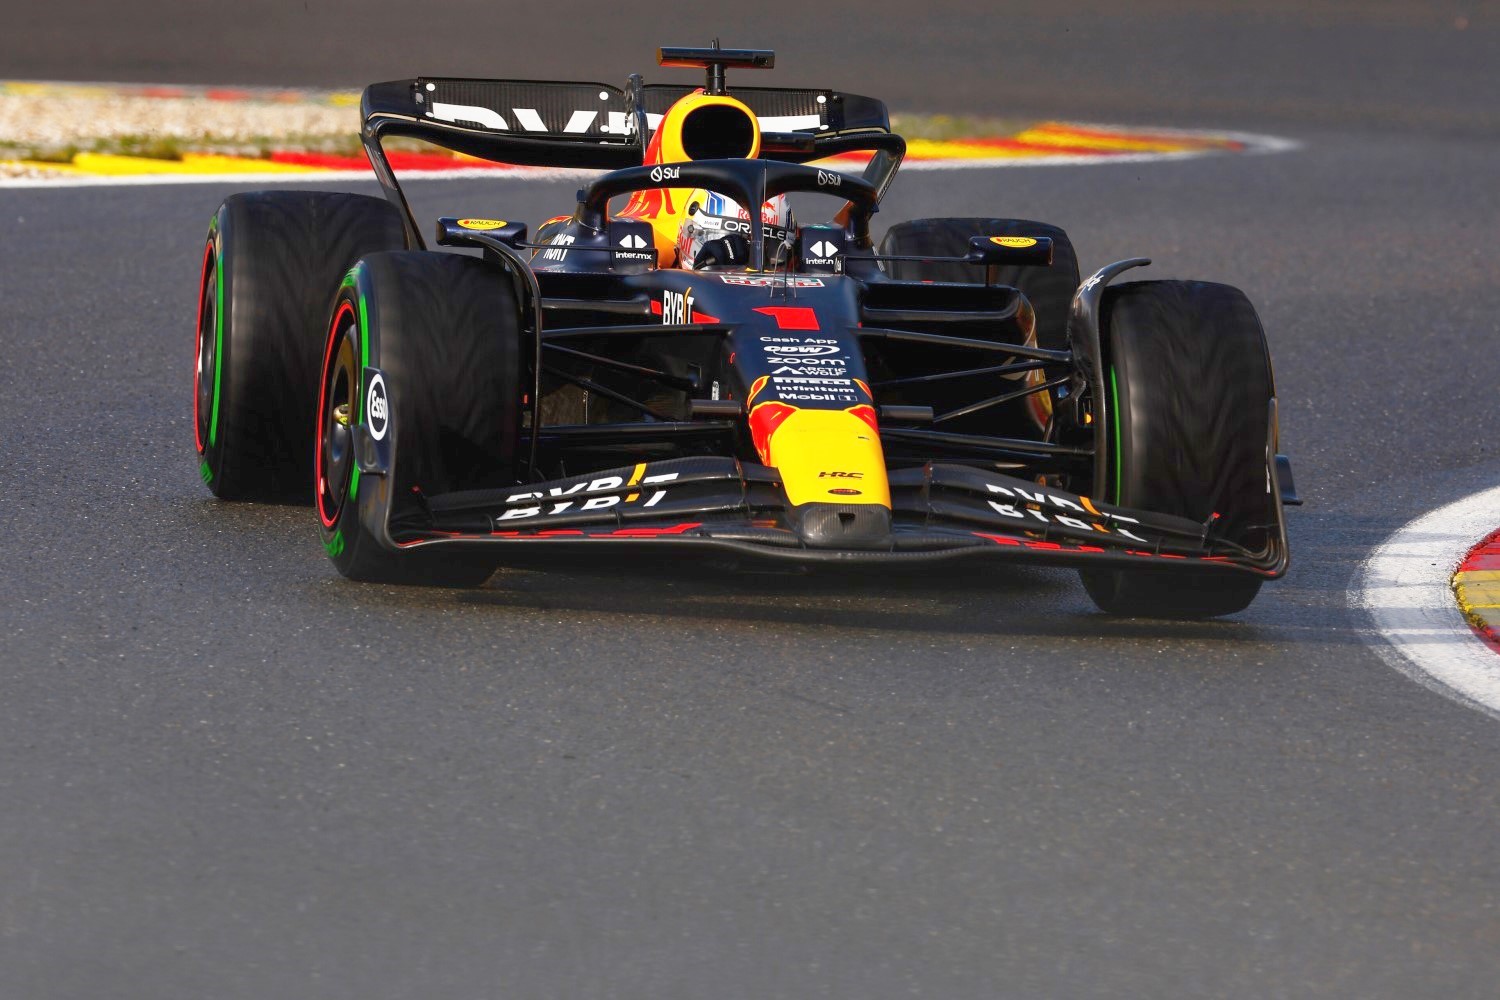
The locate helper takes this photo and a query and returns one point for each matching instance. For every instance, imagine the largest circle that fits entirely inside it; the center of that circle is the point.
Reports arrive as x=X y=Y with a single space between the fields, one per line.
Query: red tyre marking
x=208 y=249
x=344 y=308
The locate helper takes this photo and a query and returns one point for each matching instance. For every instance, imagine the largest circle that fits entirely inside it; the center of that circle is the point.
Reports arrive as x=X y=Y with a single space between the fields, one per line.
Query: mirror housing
x=1034 y=251
x=461 y=232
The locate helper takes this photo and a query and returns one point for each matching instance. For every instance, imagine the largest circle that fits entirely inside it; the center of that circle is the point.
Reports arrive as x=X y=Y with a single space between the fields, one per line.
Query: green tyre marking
x=364 y=362
x=213 y=426
x=335 y=545
x=205 y=473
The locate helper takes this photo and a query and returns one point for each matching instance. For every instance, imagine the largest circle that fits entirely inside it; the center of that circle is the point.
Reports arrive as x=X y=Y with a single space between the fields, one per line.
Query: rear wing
x=596 y=126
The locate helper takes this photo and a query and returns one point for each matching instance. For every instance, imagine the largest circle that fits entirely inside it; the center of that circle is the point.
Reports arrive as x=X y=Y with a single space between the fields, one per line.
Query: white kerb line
x=1406 y=587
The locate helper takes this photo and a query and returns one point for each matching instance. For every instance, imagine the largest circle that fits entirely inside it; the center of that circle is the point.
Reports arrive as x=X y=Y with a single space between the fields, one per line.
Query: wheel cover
x=337 y=402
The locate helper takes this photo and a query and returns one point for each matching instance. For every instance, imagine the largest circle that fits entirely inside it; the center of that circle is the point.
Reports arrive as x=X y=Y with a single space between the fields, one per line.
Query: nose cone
x=843 y=525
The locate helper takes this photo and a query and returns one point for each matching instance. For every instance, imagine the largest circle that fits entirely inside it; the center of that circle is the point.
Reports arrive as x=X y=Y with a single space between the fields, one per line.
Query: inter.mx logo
x=633 y=242
x=823 y=250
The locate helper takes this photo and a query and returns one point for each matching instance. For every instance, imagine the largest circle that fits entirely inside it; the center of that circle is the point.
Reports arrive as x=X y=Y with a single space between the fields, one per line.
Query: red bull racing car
x=710 y=353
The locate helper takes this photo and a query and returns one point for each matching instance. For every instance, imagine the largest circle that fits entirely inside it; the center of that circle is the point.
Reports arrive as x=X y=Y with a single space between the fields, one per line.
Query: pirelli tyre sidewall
x=269 y=266
x=1189 y=384
x=423 y=353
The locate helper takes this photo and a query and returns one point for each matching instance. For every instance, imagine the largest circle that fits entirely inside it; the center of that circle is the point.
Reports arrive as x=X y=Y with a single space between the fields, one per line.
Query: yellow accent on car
x=670 y=129
x=811 y=442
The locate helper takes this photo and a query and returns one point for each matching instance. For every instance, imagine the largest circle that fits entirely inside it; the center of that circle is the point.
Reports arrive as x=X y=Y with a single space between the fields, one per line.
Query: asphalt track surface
x=227 y=773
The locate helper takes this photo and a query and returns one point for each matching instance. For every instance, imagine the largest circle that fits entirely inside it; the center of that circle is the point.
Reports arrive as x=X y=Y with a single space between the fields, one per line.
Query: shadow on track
x=962 y=598
x=955 y=600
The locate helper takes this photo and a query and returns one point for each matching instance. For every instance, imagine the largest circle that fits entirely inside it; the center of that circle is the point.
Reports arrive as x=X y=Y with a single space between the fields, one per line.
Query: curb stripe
x=1047 y=143
x=1406 y=587
x=1476 y=585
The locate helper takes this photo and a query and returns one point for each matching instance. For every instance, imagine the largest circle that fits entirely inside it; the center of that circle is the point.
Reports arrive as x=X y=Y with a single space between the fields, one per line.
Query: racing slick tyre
x=1190 y=382
x=423 y=364
x=270 y=265
x=1048 y=289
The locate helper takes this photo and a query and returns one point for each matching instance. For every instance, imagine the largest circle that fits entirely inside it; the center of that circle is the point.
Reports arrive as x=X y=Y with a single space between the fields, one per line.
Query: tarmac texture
x=228 y=773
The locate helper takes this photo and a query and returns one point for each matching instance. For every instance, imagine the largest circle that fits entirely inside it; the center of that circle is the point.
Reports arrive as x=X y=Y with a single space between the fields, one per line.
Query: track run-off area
x=227 y=772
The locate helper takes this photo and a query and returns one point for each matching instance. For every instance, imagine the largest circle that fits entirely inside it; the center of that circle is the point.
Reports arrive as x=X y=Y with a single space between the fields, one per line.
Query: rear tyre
x=444 y=331
x=1048 y=289
x=1190 y=383
x=270 y=265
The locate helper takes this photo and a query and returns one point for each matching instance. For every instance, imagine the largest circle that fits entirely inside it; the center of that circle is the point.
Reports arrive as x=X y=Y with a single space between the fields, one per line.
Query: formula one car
x=681 y=364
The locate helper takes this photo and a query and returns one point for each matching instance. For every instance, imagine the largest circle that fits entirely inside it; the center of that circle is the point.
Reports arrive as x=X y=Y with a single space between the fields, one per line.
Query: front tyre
x=1190 y=382
x=423 y=357
x=270 y=265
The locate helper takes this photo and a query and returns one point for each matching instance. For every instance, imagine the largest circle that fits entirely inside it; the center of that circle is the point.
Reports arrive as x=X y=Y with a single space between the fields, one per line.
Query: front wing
x=938 y=512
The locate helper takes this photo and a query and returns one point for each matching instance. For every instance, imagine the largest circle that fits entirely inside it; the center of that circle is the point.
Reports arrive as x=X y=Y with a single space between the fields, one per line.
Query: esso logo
x=377 y=409
x=829 y=178
x=659 y=174
x=805 y=350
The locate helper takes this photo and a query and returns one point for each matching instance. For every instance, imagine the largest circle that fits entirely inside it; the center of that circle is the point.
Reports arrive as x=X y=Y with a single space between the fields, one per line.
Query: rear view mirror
x=1022 y=250
x=461 y=232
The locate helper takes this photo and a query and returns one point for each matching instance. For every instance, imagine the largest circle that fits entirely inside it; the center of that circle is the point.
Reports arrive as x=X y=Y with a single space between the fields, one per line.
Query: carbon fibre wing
x=939 y=511
x=599 y=127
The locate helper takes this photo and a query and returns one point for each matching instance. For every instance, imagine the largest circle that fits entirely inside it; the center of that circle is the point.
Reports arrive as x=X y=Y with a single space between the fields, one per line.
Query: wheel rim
x=336 y=416
x=208 y=330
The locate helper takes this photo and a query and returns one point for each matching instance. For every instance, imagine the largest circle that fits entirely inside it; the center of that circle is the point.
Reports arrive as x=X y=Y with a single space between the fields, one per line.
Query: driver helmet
x=716 y=229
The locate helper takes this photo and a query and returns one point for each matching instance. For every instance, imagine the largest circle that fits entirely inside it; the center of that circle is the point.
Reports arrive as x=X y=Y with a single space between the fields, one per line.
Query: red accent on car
x=792 y=317
x=678 y=529
x=866 y=412
x=344 y=307
x=764 y=419
x=999 y=539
